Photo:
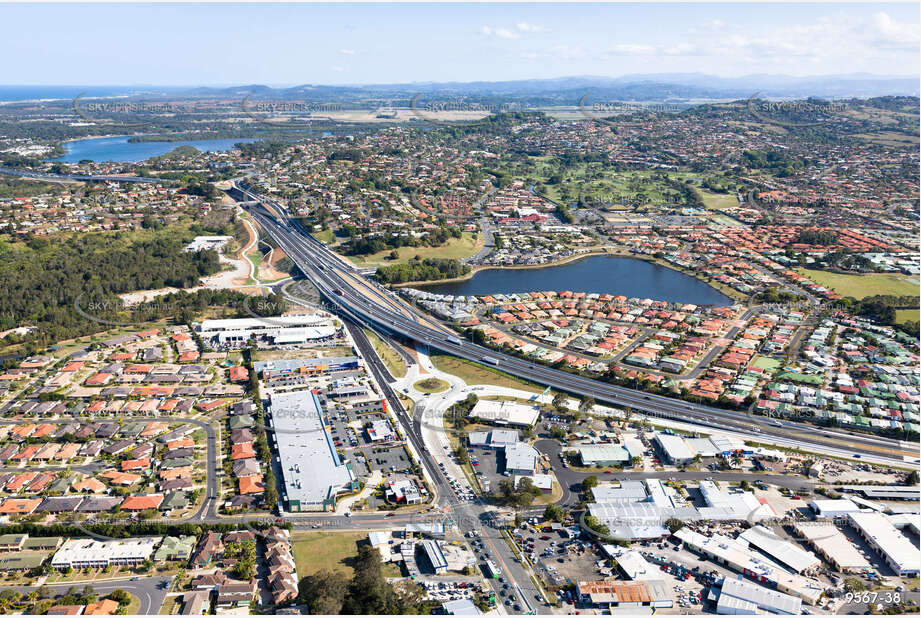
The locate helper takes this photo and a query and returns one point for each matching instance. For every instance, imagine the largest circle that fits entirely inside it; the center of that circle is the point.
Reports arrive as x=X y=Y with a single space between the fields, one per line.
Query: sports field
x=859 y=286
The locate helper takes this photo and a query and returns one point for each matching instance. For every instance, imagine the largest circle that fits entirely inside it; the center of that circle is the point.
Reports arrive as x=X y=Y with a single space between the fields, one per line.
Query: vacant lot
x=474 y=373
x=860 y=286
x=454 y=248
x=331 y=551
x=718 y=201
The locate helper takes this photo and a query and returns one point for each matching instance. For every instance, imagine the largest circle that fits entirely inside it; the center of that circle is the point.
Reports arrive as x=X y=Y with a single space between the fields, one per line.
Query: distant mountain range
x=673 y=87
x=645 y=87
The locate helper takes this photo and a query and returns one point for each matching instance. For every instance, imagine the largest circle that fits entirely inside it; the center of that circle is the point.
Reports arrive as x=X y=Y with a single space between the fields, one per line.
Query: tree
x=853 y=584
x=590 y=482
x=912 y=478
x=556 y=513
x=587 y=404
x=324 y=592
x=673 y=524
x=559 y=402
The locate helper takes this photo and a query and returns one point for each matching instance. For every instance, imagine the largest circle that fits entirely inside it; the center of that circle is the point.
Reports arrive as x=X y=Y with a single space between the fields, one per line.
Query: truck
x=490 y=361
x=453 y=340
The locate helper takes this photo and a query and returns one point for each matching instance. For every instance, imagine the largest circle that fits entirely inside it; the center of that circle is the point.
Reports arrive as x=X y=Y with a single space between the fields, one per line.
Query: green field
x=474 y=373
x=455 y=248
x=330 y=551
x=907 y=315
x=859 y=286
x=718 y=201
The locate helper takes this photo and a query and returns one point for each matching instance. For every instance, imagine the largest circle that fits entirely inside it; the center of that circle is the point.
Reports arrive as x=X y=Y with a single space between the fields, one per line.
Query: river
x=629 y=277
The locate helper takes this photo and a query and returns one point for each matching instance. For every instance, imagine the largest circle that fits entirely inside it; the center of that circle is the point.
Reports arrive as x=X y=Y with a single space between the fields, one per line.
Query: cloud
x=631 y=49
x=486 y=30
x=504 y=33
x=347 y=52
x=526 y=27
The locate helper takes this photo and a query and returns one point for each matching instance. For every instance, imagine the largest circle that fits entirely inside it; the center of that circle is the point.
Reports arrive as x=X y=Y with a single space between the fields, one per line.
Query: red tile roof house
x=142 y=503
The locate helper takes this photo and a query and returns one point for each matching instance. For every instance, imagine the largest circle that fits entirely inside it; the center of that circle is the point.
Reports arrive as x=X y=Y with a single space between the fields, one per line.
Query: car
x=391 y=514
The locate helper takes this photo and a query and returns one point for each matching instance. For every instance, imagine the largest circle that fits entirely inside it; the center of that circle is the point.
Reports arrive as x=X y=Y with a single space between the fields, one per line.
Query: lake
x=629 y=277
x=119 y=149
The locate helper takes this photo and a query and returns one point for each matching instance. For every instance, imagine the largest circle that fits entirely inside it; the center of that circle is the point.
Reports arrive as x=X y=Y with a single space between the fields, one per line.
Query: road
x=372 y=305
x=151 y=591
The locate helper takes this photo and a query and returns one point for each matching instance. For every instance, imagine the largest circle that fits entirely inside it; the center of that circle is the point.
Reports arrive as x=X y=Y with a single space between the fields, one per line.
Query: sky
x=289 y=44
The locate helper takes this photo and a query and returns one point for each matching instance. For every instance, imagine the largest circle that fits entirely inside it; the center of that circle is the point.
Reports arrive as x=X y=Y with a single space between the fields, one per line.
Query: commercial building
x=741 y=597
x=895 y=548
x=296 y=372
x=436 y=557
x=506 y=413
x=521 y=459
x=313 y=473
x=832 y=545
x=90 y=553
x=280 y=330
x=497 y=438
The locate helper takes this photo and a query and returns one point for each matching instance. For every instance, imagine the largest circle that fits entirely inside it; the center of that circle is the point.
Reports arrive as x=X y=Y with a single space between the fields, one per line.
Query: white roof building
x=521 y=458
x=831 y=543
x=506 y=412
x=91 y=553
x=894 y=547
x=281 y=329
x=833 y=508
x=674 y=448
x=737 y=595
x=785 y=552
x=312 y=470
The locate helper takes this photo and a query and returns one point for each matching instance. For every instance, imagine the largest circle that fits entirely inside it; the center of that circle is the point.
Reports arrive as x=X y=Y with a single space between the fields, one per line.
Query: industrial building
x=831 y=544
x=898 y=552
x=652 y=593
x=739 y=557
x=788 y=554
x=674 y=449
x=313 y=473
x=603 y=455
x=742 y=597
x=435 y=556
x=279 y=330
x=833 y=508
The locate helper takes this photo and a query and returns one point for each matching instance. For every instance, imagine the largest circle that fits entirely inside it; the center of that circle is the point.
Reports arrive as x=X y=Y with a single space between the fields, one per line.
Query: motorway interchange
x=363 y=303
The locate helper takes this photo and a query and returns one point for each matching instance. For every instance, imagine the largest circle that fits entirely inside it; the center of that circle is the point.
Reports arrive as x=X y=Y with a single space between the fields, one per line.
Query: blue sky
x=175 y=44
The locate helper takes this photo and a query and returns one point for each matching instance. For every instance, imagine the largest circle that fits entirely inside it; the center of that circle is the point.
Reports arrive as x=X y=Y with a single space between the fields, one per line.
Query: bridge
x=74 y=177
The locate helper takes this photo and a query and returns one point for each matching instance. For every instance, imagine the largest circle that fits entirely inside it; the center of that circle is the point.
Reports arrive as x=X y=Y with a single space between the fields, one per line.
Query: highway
x=74 y=177
x=370 y=304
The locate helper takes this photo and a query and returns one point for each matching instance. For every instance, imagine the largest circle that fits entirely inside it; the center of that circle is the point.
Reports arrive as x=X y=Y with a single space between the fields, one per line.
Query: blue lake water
x=602 y=274
x=119 y=149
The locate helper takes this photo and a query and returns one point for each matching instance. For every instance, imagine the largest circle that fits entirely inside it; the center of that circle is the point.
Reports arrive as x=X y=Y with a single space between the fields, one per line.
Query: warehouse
x=620 y=594
x=674 y=449
x=603 y=455
x=738 y=557
x=895 y=548
x=435 y=556
x=785 y=552
x=281 y=330
x=832 y=545
x=312 y=470
x=629 y=491
x=741 y=597
x=830 y=509
x=90 y=553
